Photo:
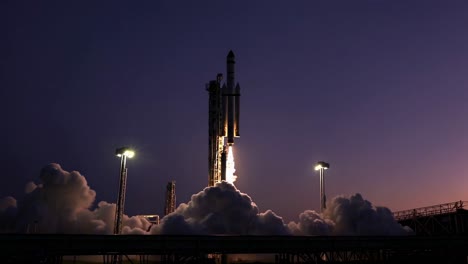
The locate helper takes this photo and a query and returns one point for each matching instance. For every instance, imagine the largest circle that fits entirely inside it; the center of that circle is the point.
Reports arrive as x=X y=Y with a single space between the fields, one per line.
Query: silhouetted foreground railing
x=304 y=249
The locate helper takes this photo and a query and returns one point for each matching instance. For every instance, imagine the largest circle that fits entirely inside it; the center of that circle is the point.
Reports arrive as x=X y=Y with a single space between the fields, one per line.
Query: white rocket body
x=231 y=102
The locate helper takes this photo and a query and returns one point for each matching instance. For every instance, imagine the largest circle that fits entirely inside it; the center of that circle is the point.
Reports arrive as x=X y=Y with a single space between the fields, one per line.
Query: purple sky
x=375 y=88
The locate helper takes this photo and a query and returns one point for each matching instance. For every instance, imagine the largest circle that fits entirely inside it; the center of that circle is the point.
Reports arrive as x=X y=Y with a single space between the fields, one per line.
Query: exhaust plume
x=230 y=167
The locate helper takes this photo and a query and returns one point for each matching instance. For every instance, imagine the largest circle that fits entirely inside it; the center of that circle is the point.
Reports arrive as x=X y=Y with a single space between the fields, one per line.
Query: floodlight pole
x=123 y=153
x=322 y=191
x=321 y=166
x=121 y=198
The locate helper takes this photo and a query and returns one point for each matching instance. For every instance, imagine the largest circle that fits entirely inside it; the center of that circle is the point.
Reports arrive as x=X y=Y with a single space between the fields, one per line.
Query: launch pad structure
x=223 y=120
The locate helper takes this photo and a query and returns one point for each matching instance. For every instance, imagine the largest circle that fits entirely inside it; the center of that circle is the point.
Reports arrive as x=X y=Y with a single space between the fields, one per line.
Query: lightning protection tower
x=170 y=198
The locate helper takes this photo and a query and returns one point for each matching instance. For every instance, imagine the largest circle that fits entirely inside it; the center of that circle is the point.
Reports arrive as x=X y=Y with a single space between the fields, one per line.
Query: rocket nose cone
x=230 y=54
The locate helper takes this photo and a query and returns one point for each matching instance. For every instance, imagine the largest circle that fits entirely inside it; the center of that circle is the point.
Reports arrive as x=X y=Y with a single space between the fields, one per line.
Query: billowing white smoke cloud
x=61 y=204
x=311 y=223
x=221 y=209
x=348 y=216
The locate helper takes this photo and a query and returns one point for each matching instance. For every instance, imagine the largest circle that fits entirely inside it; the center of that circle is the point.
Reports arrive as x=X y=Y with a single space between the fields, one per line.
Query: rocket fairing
x=231 y=102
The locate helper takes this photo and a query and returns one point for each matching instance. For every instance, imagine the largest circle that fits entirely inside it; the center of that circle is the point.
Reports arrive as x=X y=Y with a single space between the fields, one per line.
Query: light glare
x=322 y=165
x=129 y=153
x=124 y=151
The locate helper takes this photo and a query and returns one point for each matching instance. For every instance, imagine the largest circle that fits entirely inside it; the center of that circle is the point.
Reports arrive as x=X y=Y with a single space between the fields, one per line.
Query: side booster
x=231 y=102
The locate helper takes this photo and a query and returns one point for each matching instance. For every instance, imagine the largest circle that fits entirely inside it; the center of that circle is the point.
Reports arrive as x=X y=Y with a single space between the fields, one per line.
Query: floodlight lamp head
x=322 y=165
x=125 y=151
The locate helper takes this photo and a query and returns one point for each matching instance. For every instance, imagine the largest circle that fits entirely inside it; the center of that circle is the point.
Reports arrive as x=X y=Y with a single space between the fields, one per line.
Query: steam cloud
x=349 y=216
x=221 y=210
x=62 y=203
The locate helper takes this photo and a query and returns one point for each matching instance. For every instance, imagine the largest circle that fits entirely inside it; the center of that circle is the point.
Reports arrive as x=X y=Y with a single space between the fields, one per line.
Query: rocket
x=223 y=121
x=231 y=102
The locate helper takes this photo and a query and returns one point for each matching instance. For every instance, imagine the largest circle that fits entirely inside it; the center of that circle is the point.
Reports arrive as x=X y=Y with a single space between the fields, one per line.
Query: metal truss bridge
x=433 y=210
x=442 y=219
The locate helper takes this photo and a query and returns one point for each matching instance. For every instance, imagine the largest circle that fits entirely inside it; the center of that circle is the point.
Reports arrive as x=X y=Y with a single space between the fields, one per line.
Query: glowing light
x=230 y=167
x=129 y=153
x=322 y=165
x=125 y=152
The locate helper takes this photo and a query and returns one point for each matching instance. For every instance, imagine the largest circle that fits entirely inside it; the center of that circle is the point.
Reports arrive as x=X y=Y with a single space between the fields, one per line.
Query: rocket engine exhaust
x=230 y=167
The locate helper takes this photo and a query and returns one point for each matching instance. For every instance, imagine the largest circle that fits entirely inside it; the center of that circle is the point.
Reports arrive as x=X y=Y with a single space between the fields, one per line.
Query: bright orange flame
x=230 y=167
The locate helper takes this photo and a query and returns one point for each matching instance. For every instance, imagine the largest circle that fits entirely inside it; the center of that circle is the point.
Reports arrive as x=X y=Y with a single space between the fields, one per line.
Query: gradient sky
x=376 y=88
